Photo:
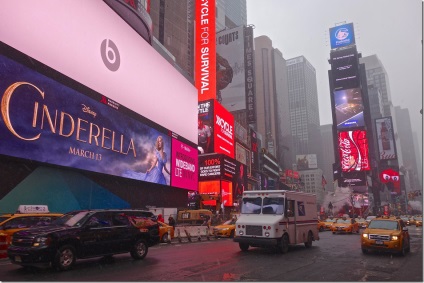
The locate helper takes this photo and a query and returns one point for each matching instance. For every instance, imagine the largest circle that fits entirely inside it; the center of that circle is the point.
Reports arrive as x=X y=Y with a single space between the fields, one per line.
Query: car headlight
x=395 y=238
x=41 y=241
x=365 y=235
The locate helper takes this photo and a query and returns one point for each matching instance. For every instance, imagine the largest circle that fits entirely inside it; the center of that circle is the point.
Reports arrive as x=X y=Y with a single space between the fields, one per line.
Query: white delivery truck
x=277 y=218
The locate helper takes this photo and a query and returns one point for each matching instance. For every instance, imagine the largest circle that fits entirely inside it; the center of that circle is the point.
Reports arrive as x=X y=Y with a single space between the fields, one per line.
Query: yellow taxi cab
x=386 y=234
x=165 y=231
x=25 y=217
x=226 y=229
x=418 y=221
x=328 y=222
x=412 y=220
x=361 y=222
x=321 y=225
x=345 y=225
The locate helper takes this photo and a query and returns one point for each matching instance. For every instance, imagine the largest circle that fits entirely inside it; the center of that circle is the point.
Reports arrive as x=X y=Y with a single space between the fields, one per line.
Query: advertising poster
x=205 y=127
x=47 y=121
x=230 y=73
x=385 y=138
x=349 y=108
x=342 y=35
x=344 y=68
x=353 y=150
x=224 y=136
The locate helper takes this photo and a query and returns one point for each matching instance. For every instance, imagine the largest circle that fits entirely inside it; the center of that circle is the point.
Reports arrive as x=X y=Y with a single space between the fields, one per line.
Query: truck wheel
x=308 y=243
x=244 y=247
x=64 y=258
x=283 y=246
x=139 y=249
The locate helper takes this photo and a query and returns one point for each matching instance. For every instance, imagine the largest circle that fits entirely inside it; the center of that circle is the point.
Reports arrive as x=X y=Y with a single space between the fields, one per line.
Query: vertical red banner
x=205 y=50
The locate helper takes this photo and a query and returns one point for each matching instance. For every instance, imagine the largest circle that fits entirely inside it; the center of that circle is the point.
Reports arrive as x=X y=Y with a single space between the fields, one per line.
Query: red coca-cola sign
x=353 y=150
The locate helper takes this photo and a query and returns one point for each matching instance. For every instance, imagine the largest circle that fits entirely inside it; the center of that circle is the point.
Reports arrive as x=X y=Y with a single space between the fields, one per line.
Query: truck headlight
x=41 y=241
x=241 y=233
x=365 y=236
x=266 y=234
x=395 y=238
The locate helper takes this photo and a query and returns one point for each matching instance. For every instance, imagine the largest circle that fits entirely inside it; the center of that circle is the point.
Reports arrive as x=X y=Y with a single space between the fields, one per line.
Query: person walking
x=171 y=221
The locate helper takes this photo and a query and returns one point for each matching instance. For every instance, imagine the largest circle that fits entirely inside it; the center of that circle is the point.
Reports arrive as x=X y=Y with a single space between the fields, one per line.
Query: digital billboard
x=61 y=122
x=104 y=52
x=205 y=50
x=215 y=129
x=354 y=151
x=344 y=68
x=354 y=179
x=385 y=138
x=306 y=161
x=342 y=35
x=230 y=73
x=349 y=108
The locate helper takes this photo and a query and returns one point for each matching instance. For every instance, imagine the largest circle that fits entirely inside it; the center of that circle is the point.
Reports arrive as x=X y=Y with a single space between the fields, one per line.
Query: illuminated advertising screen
x=185 y=163
x=385 y=138
x=205 y=50
x=205 y=128
x=230 y=73
x=254 y=145
x=354 y=151
x=104 y=52
x=342 y=35
x=224 y=137
x=47 y=120
x=354 y=179
x=344 y=68
x=221 y=167
x=349 y=108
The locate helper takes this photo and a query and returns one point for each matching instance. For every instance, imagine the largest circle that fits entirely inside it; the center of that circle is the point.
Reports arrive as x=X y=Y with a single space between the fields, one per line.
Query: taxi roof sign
x=33 y=209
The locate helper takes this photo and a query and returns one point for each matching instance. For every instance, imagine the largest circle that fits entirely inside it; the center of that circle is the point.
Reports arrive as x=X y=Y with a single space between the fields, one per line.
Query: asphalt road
x=333 y=258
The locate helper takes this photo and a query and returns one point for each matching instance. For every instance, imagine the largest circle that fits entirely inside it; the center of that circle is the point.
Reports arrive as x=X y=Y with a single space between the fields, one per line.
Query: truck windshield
x=273 y=206
x=251 y=205
x=267 y=205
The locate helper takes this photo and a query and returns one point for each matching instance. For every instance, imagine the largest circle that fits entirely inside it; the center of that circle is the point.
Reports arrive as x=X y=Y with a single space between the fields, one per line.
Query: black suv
x=85 y=234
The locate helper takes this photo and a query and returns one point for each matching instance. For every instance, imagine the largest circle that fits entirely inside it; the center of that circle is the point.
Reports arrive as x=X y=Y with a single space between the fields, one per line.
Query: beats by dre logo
x=110 y=55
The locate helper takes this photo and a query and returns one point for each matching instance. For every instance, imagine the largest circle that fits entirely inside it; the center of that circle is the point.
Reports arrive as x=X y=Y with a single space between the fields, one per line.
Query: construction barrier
x=4 y=243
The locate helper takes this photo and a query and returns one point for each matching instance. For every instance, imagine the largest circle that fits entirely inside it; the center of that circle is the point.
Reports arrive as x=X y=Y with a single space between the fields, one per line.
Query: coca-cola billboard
x=353 y=150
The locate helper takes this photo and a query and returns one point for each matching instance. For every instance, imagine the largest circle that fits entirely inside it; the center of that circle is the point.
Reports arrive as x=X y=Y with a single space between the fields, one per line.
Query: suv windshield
x=384 y=224
x=72 y=219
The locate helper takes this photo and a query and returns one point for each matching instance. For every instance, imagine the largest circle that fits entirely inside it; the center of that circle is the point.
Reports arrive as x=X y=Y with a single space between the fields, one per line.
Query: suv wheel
x=64 y=258
x=139 y=249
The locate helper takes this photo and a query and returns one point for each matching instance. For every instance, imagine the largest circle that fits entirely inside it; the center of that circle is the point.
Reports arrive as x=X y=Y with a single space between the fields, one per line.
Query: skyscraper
x=230 y=14
x=327 y=153
x=272 y=99
x=377 y=76
x=303 y=108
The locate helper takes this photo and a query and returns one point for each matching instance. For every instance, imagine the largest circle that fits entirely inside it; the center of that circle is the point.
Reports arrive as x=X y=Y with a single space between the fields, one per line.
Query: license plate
x=338 y=228
x=379 y=242
x=18 y=259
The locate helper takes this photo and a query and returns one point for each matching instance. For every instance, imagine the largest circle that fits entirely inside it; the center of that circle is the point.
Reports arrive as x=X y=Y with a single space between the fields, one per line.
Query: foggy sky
x=391 y=29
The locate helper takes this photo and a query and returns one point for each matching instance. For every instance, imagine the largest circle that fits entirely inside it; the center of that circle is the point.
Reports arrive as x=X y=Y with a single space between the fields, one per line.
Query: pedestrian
x=160 y=218
x=171 y=221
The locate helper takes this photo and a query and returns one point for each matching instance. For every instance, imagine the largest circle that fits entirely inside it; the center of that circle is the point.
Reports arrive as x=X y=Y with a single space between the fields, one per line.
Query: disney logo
x=87 y=109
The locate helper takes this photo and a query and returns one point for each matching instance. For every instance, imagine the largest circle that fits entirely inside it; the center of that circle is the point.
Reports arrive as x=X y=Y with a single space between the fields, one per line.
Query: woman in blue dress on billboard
x=155 y=173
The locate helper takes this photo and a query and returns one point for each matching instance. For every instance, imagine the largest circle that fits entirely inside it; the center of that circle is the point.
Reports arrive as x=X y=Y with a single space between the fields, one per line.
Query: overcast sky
x=391 y=29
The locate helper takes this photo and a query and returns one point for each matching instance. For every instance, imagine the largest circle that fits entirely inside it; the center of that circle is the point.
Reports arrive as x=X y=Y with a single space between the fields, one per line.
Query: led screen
x=344 y=68
x=342 y=35
x=349 y=108
x=354 y=151
x=46 y=120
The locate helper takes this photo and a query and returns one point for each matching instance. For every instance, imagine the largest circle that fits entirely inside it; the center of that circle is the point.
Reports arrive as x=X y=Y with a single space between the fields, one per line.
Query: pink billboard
x=353 y=150
x=184 y=166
